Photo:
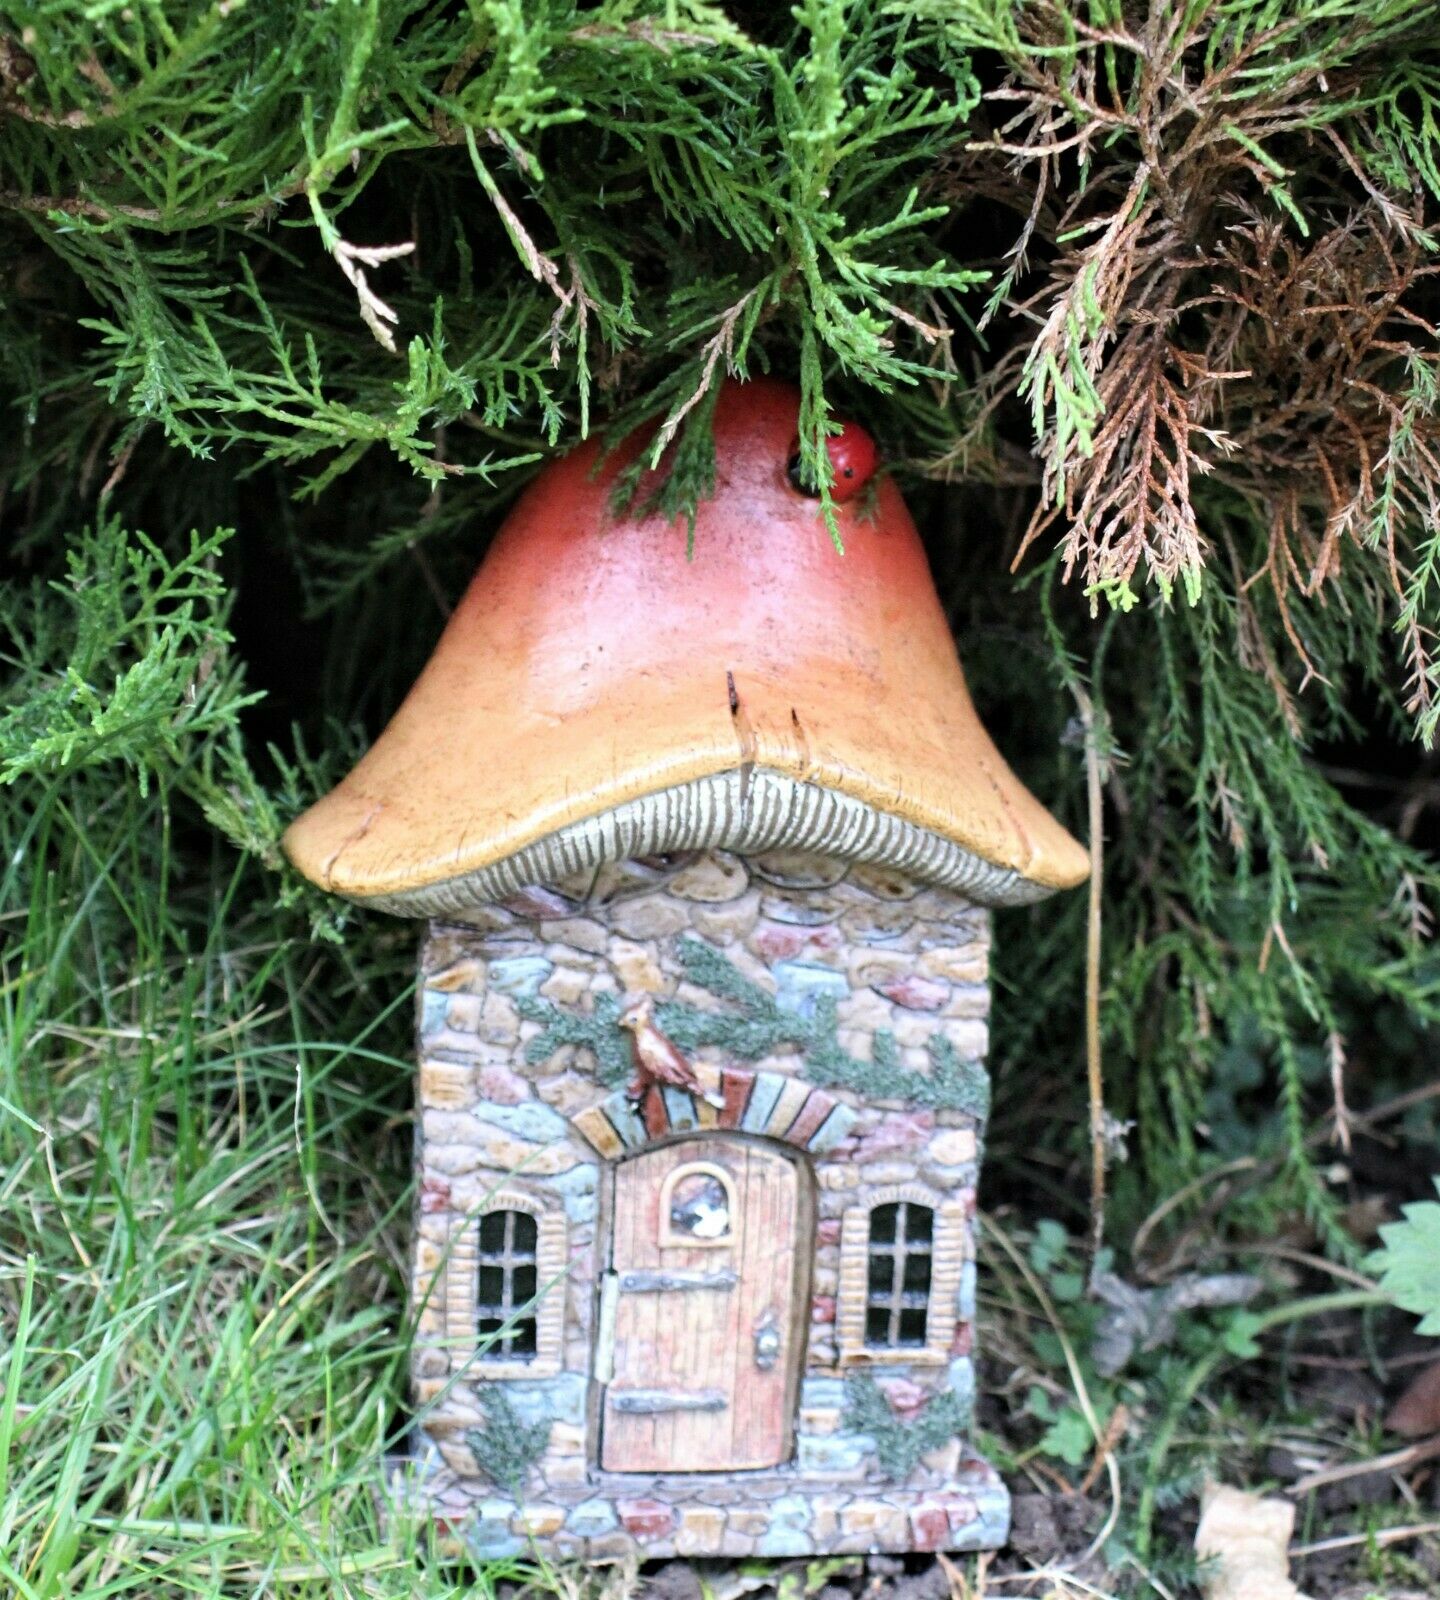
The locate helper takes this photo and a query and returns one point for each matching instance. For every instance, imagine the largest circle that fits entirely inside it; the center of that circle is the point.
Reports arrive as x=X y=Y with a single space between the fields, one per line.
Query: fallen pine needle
x=1415 y=1530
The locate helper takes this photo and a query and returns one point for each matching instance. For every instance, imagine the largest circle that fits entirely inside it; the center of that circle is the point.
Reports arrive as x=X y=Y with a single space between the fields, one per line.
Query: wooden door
x=703 y=1307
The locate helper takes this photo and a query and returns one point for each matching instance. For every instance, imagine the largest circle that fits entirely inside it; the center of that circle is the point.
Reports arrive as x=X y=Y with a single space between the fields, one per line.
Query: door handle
x=767 y=1342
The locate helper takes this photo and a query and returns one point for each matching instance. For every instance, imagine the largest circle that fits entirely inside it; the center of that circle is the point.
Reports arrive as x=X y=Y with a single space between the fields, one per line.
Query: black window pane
x=506 y=1284
x=898 y=1275
x=912 y=1327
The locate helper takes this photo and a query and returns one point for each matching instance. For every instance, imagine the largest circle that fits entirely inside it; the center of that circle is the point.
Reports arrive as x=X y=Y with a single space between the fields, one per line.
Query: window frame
x=669 y=1239
x=950 y=1249
x=471 y=1355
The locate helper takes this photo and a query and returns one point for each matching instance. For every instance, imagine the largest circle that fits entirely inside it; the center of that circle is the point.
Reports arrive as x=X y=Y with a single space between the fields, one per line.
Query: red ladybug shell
x=853 y=457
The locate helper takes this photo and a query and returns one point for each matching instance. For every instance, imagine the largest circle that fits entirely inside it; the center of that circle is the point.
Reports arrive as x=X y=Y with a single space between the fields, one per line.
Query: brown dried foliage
x=1189 y=327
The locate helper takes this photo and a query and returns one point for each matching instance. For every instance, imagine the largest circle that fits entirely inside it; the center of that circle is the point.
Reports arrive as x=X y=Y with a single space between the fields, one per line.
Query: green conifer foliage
x=1139 y=298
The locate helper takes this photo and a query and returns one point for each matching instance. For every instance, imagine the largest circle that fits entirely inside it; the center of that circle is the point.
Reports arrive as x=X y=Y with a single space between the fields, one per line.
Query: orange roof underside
x=590 y=663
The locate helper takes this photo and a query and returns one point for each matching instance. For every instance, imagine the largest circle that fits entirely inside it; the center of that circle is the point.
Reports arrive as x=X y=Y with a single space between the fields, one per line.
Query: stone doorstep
x=609 y=1518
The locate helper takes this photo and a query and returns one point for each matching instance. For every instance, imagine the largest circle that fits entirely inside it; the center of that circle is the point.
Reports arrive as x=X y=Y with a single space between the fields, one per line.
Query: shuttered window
x=897 y=1301
x=505 y=1299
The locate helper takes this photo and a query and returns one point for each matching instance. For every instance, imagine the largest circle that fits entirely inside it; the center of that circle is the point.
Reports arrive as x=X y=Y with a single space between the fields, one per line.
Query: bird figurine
x=658 y=1059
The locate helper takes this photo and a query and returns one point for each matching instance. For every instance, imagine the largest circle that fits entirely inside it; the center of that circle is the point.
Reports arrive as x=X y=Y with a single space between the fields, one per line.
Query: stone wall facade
x=893 y=958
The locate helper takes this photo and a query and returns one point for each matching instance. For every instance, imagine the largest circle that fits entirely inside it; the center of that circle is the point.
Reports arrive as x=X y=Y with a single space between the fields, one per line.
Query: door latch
x=767 y=1342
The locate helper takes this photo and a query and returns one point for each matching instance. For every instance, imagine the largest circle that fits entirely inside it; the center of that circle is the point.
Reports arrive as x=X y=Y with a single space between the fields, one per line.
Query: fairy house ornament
x=705 y=849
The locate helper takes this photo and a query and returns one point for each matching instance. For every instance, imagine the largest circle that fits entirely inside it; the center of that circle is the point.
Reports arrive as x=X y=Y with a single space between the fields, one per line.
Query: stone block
x=567 y=1439
x=518 y=974
x=462 y=1013
x=877 y=1520
x=591 y=1518
x=530 y=1120
x=801 y=911
x=885 y=883
x=929 y=1527
x=943 y=1460
x=579 y=933
x=915 y=993
x=456 y=1455
x=778 y=1543
x=433 y=1005
x=889 y=1172
x=637 y=969
x=446 y=1084
x=499 y=1020
x=558 y=1399
x=819 y=1420
x=960 y=1376
x=501 y=1085
x=701 y=1532
x=724 y=924
x=970 y=1002
x=650 y=916
x=715 y=878
x=790 y=1511
x=799 y=985
x=970 y=1039
x=896 y=1133
x=566 y=986
x=965 y=1300
x=825 y=1393
x=646 y=1519
x=491 y=1146
x=879 y=921
x=489 y=1534
x=952 y=1146
x=865 y=1010
x=463 y=974
x=569 y=1092
x=538 y=1522
x=841 y=1456
x=968 y=964
x=801 y=870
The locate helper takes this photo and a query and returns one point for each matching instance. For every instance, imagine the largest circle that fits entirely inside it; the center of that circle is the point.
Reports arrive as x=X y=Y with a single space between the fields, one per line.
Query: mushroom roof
x=599 y=695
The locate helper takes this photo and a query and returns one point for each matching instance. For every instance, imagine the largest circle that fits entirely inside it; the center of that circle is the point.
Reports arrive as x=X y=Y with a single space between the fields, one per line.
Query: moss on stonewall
x=899 y=1442
x=755 y=1026
x=505 y=1447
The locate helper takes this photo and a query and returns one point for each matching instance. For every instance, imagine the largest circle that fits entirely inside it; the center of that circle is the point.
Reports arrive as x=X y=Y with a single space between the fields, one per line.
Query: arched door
x=703 y=1308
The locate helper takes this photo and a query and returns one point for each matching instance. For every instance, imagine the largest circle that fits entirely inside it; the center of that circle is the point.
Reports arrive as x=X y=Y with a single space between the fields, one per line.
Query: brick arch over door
x=768 y=1103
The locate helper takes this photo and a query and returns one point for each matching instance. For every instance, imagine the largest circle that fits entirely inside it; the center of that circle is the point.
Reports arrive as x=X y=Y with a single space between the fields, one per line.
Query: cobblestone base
x=769 y=1515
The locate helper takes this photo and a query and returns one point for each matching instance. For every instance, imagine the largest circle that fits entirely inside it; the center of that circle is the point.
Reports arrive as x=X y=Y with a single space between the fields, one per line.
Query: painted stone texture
x=540 y=1140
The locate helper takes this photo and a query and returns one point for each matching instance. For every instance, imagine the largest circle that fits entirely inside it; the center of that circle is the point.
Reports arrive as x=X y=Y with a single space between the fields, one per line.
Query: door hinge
x=605 y=1333
x=647 y=1402
x=668 y=1282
